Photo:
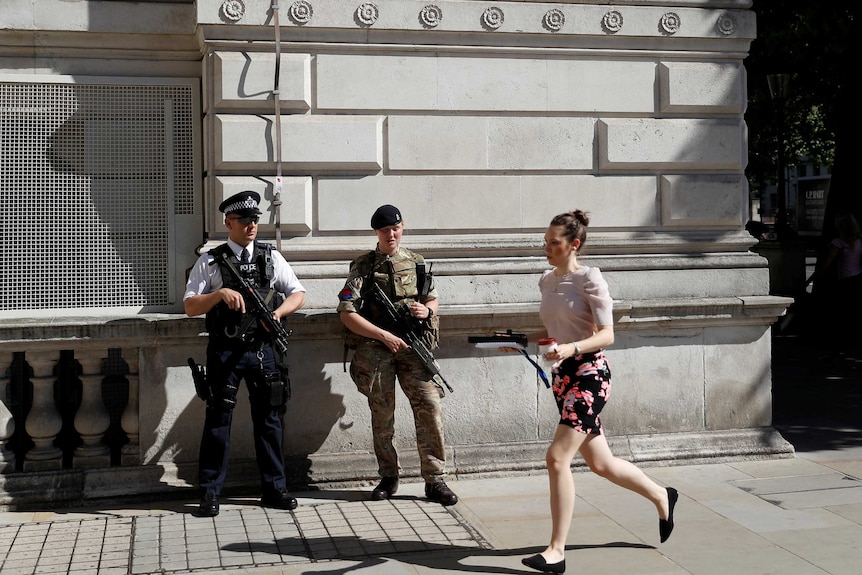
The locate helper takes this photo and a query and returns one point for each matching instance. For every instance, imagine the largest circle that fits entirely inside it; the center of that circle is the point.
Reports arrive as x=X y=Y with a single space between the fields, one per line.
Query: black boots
x=385 y=489
x=279 y=499
x=440 y=493
x=208 y=506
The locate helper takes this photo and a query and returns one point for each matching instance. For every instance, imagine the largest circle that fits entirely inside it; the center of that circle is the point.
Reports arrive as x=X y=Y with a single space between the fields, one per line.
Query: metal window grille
x=90 y=175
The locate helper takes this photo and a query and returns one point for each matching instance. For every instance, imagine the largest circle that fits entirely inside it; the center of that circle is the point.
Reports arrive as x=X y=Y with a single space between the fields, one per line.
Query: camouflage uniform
x=374 y=368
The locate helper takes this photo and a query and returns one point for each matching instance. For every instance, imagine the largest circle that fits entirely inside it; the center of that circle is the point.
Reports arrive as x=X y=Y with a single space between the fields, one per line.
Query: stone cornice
x=163 y=18
x=179 y=31
x=477 y=23
x=55 y=44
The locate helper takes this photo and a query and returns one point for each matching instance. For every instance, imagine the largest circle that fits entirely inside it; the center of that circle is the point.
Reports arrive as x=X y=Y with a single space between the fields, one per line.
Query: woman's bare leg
x=559 y=458
x=602 y=462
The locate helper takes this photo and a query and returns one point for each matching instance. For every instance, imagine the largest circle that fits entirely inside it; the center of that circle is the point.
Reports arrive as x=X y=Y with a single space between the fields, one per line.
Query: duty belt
x=233 y=343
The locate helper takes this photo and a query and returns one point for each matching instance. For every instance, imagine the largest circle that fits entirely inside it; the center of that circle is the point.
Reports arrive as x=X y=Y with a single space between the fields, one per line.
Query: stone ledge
x=154 y=329
x=684 y=246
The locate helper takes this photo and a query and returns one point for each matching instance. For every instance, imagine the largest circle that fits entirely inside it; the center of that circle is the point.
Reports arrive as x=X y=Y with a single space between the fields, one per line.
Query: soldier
x=241 y=349
x=380 y=355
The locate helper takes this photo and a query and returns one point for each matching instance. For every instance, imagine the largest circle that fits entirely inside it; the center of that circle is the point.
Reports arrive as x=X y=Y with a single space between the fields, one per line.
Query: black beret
x=243 y=203
x=385 y=216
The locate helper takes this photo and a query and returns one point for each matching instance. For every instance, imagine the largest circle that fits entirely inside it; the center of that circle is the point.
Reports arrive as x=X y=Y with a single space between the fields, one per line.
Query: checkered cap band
x=246 y=203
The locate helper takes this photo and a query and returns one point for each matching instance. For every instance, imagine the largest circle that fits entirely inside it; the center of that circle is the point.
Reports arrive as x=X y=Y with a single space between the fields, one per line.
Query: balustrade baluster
x=7 y=422
x=92 y=419
x=131 y=452
x=43 y=423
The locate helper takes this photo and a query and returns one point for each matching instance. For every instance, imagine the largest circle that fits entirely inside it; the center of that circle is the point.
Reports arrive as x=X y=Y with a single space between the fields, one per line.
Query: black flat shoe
x=538 y=563
x=665 y=526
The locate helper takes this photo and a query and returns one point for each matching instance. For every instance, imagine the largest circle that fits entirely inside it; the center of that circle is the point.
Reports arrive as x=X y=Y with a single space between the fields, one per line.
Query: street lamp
x=779 y=85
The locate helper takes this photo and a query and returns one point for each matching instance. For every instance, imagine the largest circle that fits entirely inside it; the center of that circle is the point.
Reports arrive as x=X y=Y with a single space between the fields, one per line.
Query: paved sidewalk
x=795 y=516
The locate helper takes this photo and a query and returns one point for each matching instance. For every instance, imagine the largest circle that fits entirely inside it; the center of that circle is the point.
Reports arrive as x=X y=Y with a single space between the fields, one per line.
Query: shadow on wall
x=311 y=414
x=118 y=169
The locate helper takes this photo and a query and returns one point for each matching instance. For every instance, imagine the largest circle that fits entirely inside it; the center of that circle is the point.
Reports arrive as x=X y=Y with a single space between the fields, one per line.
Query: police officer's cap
x=244 y=203
x=385 y=216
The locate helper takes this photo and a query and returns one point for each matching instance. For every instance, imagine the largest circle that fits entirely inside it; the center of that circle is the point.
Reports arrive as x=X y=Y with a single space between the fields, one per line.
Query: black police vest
x=223 y=322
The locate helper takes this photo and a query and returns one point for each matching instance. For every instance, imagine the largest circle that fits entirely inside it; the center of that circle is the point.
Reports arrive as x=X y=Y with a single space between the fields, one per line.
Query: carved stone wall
x=481 y=121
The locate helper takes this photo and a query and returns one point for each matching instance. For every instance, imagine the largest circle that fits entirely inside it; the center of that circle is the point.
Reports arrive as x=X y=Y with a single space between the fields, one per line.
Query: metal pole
x=778 y=90
x=781 y=221
x=276 y=96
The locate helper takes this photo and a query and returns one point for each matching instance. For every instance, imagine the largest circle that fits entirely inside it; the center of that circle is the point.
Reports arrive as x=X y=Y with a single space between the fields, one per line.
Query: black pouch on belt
x=199 y=376
x=279 y=389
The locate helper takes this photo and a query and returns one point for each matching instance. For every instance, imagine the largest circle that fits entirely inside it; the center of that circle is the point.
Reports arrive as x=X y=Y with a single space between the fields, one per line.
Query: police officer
x=380 y=355
x=241 y=349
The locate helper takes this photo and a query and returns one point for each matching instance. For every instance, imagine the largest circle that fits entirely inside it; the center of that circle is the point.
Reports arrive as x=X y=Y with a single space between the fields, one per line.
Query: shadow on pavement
x=422 y=554
x=817 y=381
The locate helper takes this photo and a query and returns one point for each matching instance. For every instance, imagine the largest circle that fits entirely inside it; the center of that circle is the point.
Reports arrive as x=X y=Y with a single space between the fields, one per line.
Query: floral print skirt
x=582 y=385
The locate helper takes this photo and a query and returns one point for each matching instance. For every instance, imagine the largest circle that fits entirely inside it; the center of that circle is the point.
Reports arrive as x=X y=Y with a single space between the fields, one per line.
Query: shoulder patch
x=345 y=294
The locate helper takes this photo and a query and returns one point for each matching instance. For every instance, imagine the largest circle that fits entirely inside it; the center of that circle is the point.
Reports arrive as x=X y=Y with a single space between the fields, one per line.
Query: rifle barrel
x=406 y=328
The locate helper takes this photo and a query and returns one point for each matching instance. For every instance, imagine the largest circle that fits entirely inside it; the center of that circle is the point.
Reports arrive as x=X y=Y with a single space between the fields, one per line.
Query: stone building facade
x=124 y=124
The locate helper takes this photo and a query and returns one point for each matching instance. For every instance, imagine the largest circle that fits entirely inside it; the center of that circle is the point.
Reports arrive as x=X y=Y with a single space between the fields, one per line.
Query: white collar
x=237 y=249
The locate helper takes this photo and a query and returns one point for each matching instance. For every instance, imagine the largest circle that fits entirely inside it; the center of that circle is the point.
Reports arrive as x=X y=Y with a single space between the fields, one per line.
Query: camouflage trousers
x=373 y=369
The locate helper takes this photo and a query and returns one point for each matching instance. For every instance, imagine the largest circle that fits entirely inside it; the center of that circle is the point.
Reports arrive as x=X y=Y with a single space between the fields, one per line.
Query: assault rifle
x=256 y=310
x=407 y=327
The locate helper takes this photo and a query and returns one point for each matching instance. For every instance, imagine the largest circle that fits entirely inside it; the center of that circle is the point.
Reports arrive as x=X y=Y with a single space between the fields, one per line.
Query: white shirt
x=206 y=278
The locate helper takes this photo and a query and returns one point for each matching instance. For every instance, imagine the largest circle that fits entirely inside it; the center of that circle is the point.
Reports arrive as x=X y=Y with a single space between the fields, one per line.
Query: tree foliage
x=812 y=42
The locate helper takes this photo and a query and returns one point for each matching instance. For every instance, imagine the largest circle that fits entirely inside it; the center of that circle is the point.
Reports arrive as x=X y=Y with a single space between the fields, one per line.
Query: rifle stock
x=407 y=327
x=258 y=309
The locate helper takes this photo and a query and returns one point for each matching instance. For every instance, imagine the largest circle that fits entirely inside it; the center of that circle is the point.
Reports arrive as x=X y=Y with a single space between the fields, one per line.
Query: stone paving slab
x=801 y=492
x=244 y=537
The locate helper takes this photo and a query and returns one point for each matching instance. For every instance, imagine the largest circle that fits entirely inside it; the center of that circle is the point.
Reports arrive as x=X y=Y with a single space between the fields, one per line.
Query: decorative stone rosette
x=367 y=13
x=431 y=16
x=554 y=20
x=300 y=12
x=232 y=10
x=726 y=24
x=670 y=23
x=612 y=22
x=492 y=18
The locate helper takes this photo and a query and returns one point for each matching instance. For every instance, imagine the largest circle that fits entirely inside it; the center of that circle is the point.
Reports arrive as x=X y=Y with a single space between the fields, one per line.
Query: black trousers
x=227 y=368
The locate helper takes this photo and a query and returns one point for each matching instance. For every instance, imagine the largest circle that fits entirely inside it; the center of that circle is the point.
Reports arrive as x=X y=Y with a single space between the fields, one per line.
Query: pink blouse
x=574 y=305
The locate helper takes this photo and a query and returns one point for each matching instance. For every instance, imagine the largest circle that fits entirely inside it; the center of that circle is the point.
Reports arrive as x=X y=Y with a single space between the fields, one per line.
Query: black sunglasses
x=246 y=220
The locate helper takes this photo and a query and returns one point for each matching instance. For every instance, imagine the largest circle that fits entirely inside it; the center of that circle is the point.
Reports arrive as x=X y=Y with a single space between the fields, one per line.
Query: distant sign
x=811 y=194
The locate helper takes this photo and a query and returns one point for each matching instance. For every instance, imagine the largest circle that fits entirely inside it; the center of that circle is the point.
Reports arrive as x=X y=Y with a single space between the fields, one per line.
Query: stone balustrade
x=32 y=392
x=70 y=406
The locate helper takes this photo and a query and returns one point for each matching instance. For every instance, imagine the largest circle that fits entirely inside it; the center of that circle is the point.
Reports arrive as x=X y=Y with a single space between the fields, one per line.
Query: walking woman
x=577 y=311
